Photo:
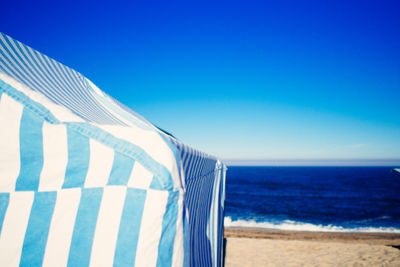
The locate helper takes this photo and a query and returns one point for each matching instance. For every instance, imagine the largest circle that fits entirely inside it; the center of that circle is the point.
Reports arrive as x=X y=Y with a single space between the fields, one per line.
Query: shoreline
x=389 y=239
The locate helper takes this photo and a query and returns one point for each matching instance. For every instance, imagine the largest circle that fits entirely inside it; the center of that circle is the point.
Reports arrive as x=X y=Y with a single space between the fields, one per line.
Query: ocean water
x=334 y=199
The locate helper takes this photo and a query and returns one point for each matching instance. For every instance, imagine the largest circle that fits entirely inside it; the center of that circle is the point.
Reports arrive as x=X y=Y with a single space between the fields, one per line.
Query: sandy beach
x=257 y=247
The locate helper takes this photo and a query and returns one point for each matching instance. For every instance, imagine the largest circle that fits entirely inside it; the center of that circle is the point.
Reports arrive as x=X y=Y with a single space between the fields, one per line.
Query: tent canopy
x=84 y=180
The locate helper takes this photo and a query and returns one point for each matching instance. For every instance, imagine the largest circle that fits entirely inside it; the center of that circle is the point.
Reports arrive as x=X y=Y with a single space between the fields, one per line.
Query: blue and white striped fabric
x=84 y=180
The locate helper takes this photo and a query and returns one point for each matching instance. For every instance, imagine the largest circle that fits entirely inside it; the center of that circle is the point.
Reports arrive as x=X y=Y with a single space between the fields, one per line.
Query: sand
x=255 y=247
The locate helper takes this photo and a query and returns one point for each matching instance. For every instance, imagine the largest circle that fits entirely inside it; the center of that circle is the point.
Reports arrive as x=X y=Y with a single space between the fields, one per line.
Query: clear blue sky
x=237 y=79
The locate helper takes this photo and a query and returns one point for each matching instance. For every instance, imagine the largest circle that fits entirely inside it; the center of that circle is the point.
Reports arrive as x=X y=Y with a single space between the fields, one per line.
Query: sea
x=329 y=199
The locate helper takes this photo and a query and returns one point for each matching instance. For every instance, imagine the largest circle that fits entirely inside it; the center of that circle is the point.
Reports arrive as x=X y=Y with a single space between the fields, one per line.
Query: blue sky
x=253 y=80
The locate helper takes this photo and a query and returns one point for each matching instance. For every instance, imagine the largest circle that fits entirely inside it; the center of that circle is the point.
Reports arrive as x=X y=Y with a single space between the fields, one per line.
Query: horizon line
x=312 y=162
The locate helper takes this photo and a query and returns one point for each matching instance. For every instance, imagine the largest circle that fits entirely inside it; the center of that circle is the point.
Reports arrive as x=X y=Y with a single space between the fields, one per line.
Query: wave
x=301 y=226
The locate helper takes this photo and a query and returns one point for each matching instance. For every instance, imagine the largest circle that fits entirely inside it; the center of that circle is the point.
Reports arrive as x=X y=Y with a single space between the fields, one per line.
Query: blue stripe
x=4 y=200
x=129 y=229
x=28 y=103
x=78 y=159
x=121 y=169
x=38 y=229
x=160 y=172
x=168 y=233
x=31 y=151
x=156 y=184
x=85 y=225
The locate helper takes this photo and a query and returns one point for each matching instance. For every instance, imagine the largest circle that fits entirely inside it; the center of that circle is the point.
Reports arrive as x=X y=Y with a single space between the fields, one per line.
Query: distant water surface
x=356 y=199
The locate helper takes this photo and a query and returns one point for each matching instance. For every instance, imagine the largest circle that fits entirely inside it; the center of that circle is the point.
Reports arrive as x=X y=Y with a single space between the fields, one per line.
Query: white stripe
x=151 y=142
x=150 y=228
x=14 y=227
x=62 y=227
x=55 y=157
x=140 y=177
x=100 y=164
x=10 y=119
x=212 y=224
x=177 y=256
x=105 y=237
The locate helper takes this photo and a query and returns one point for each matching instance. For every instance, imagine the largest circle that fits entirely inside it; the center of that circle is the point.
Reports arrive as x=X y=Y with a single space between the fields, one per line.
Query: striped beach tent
x=86 y=181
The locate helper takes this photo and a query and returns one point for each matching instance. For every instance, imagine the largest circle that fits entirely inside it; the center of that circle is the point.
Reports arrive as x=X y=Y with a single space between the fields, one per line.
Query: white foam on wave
x=301 y=226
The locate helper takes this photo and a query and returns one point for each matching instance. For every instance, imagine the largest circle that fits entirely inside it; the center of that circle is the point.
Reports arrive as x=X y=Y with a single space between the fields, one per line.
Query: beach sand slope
x=285 y=248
